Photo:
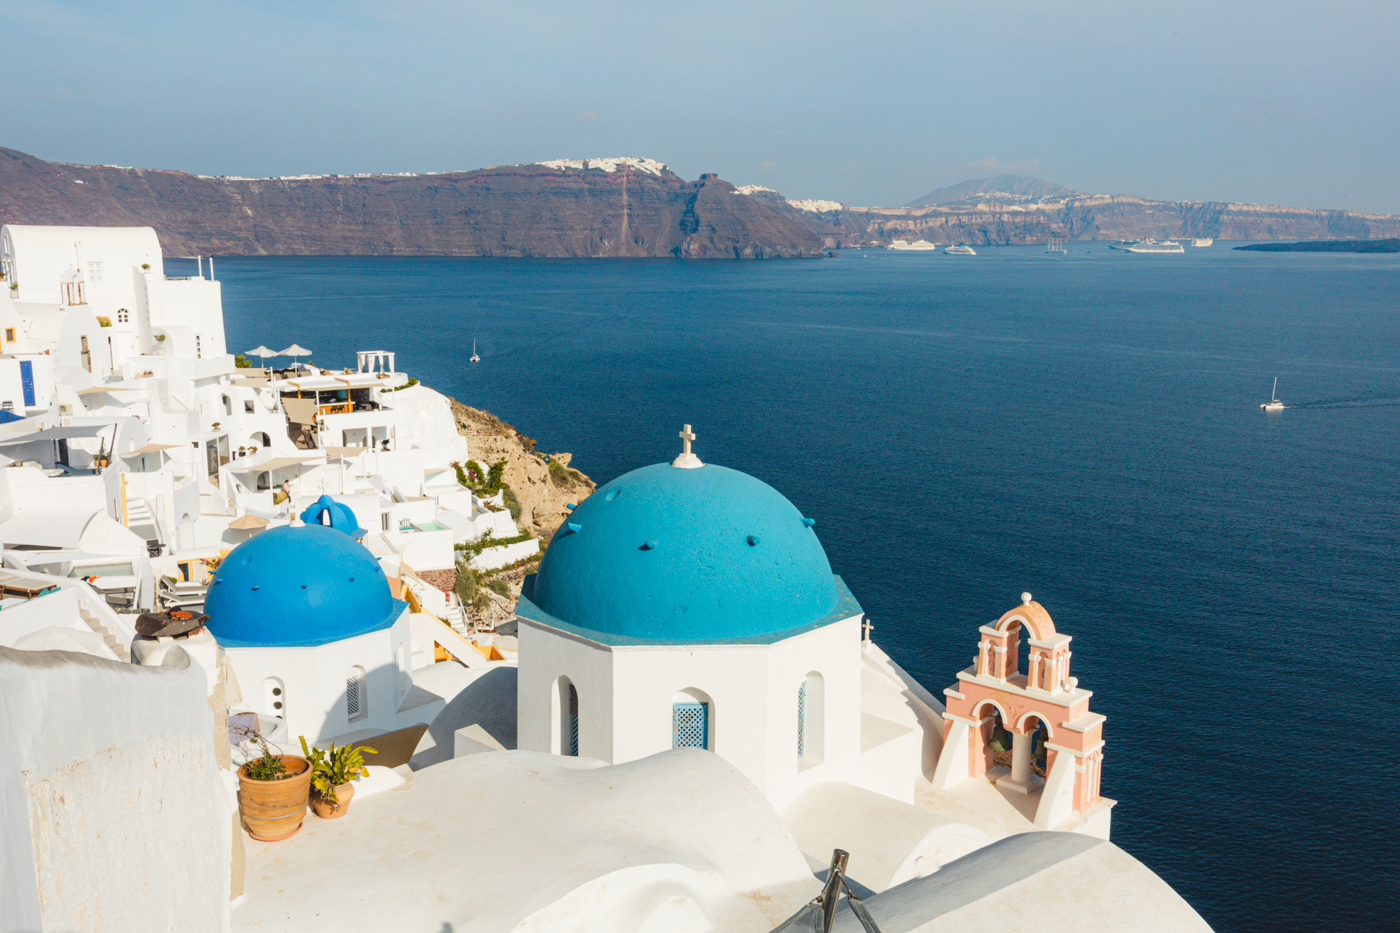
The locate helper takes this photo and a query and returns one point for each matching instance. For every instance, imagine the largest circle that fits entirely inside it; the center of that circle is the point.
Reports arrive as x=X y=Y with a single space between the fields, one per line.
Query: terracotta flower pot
x=333 y=811
x=273 y=810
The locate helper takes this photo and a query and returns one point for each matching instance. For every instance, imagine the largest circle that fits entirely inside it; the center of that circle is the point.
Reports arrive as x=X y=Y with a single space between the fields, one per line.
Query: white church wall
x=833 y=651
x=647 y=681
x=626 y=694
x=314 y=682
x=545 y=657
x=81 y=848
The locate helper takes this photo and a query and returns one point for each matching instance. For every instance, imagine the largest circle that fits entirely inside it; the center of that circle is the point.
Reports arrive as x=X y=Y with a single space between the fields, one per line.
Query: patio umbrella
x=295 y=350
x=261 y=352
x=248 y=522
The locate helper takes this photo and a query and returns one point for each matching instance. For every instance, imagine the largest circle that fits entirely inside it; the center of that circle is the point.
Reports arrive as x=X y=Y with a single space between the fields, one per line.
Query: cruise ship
x=960 y=250
x=1202 y=241
x=1154 y=246
x=919 y=245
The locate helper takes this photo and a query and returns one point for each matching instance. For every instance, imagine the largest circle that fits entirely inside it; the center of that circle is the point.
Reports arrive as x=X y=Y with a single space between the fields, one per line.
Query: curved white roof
x=37 y=257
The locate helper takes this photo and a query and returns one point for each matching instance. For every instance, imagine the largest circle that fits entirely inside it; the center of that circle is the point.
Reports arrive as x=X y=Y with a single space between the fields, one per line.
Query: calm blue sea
x=1086 y=427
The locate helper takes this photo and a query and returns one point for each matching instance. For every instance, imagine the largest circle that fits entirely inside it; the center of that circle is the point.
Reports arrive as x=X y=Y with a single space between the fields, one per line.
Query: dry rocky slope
x=640 y=209
x=543 y=491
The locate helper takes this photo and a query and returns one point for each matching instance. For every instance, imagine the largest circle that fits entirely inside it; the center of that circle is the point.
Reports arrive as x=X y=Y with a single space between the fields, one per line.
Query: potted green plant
x=333 y=772
x=273 y=790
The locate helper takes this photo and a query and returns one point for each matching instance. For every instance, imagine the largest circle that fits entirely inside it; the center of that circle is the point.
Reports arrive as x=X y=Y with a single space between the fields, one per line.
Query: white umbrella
x=295 y=350
x=261 y=351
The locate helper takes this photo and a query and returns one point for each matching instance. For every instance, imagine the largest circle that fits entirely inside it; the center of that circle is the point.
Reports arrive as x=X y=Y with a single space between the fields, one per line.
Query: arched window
x=573 y=720
x=811 y=719
x=690 y=720
x=228 y=405
x=264 y=481
x=356 y=703
x=274 y=697
x=123 y=316
x=564 y=727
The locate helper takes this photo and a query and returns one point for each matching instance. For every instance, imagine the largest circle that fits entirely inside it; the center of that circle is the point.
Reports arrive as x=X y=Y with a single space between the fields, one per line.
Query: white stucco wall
x=113 y=811
x=313 y=681
x=426 y=422
x=626 y=695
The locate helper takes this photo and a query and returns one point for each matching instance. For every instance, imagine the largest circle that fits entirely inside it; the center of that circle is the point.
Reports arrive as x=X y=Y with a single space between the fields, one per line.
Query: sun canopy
x=249 y=522
x=98 y=390
x=147 y=449
x=50 y=434
x=274 y=463
x=261 y=351
x=295 y=350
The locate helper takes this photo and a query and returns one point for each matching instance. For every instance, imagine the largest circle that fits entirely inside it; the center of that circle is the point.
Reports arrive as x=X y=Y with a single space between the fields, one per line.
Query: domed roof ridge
x=700 y=554
x=298 y=585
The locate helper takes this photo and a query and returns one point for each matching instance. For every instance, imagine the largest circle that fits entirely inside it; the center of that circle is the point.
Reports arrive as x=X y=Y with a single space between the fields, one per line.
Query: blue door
x=690 y=725
x=26 y=380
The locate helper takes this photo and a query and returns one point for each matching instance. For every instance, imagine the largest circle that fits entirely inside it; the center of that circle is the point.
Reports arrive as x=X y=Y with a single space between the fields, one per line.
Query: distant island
x=625 y=207
x=1388 y=245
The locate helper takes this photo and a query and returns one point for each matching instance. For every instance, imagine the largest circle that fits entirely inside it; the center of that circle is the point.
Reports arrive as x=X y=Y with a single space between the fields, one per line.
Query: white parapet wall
x=496 y=557
x=113 y=812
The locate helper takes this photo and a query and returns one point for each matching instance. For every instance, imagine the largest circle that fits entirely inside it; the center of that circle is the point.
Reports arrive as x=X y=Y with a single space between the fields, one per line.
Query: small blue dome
x=686 y=555
x=337 y=515
x=298 y=585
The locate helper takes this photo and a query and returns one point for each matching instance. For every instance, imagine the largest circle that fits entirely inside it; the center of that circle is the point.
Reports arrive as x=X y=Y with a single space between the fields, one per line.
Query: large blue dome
x=664 y=554
x=298 y=585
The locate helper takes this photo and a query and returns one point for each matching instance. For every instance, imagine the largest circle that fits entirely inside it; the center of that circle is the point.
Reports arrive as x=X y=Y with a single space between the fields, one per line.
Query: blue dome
x=664 y=554
x=298 y=585
x=337 y=515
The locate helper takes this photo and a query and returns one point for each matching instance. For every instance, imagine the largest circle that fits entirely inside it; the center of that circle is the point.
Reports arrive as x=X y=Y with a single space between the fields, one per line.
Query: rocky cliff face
x=1091 y=217
x=620 y=208
x=543 y=491
x=1005 y=218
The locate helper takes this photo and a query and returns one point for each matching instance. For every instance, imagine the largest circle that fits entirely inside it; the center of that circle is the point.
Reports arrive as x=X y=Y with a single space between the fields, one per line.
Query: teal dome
x=664 y=554
x=337 y=515
x=298 y=585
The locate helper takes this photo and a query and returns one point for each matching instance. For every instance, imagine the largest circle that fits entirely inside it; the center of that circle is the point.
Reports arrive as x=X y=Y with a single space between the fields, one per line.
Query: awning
x=100 y=390
x=147 y=449
x=50 y=434
x=275 y=463
x=344 y=453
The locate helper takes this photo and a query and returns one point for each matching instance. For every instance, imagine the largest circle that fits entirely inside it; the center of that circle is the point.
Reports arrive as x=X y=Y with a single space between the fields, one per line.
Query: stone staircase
x=141 y=520
x=100 y=626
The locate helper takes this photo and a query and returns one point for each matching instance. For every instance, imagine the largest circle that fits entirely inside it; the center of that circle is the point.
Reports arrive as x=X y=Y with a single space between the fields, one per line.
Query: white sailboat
x=475 y=358
x=1273 y=404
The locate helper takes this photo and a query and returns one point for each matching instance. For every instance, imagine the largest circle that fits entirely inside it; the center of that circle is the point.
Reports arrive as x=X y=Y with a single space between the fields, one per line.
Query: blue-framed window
x=690 y=725
x=573 y=720
x=802 y=719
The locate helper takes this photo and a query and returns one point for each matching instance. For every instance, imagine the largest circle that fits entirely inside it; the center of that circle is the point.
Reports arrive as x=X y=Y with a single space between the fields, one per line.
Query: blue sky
x=867 y=102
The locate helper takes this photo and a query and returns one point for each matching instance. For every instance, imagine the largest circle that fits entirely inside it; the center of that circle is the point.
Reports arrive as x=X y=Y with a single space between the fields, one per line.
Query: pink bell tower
x=1043 y=695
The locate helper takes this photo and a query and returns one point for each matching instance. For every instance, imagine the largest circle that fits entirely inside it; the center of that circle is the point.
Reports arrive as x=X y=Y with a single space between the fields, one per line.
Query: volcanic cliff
x=614 y=207
x=1013 y=209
